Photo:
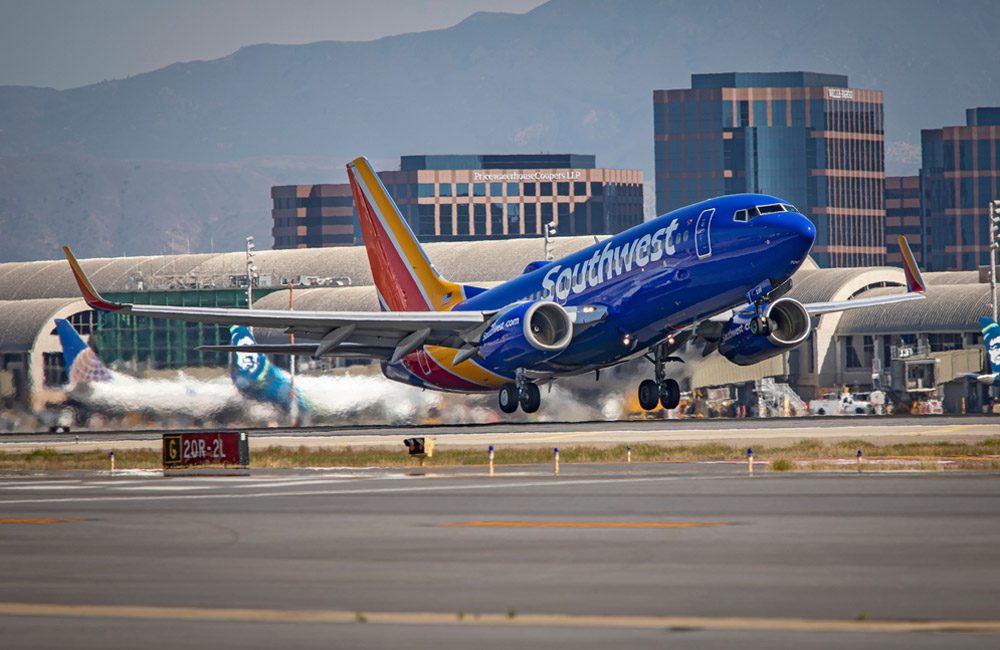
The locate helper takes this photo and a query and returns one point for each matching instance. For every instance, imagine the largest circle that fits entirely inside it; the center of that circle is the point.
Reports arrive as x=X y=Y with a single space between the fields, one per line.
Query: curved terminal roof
x=22 y=320
x=821 y=285
x=947 y=308
x=470 y=262
x=952 y=277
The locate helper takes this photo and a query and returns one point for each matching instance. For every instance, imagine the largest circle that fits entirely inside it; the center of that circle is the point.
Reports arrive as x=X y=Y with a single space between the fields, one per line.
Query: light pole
x=994 y=212
x=549 y=232
x=251 y=271
x=293 y=409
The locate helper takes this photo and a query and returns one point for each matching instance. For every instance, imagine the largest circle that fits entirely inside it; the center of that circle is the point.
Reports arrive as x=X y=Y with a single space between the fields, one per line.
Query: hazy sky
x=69 y=43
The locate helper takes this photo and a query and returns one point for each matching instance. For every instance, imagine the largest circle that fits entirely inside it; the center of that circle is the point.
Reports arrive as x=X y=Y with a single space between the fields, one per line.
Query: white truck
x=845 y=403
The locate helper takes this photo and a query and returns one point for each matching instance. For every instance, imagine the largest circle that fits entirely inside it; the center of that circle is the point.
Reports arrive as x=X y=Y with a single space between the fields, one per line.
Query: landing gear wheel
x=508 y=398
x=649 y=395
x=531 y=398
x=670 y=394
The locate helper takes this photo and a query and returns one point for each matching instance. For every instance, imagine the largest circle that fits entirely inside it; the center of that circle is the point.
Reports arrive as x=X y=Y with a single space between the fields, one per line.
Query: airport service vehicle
x=991 y=340
x=717 y=271
x=841 y=404
x=96 y=388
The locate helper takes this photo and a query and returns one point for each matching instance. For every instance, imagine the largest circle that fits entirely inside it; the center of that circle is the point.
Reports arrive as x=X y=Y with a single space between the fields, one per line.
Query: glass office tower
x=805 y=137
x=959 y=176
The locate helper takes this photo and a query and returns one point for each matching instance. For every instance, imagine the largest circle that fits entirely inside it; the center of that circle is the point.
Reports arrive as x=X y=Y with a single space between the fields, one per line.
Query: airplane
x=715 y=270
x=92 y=385
x=991 y=341
x=259 y=379
x=324 y=397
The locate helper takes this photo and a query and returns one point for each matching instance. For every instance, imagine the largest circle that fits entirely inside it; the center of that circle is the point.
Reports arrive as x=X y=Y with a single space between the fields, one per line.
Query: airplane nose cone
x=789 y=230
x=788 y=237
x=801 y=229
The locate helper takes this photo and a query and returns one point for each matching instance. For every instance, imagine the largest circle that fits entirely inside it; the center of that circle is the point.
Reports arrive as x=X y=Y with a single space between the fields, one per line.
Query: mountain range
x=183 y=157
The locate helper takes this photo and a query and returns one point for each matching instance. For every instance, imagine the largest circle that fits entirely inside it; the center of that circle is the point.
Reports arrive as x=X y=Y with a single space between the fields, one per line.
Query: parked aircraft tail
x=256 y=377
x=991 y=339
x=404 y=276
x=82 y=364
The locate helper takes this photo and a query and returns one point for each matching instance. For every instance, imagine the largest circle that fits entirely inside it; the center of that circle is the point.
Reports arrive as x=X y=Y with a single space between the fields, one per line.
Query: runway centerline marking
x=37 y=521
x=521 y=620
x=583 y=524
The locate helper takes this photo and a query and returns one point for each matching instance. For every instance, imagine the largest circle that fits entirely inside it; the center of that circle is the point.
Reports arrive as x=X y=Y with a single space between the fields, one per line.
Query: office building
x=465 y=197
x=959 y=172
x=902 y=217
x=805 y=137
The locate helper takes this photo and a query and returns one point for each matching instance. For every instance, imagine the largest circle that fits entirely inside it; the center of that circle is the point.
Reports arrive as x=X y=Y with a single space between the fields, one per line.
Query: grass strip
x=984 y=455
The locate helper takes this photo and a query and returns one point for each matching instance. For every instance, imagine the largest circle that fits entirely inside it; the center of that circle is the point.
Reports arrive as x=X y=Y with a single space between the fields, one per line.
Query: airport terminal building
x=920 y=347
x=466 y=197
x=805 y=137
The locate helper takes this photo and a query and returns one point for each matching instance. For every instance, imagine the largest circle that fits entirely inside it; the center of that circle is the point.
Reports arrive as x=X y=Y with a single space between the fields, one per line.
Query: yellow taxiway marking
x=521 y=620
x=582 y=524
x=36 y=521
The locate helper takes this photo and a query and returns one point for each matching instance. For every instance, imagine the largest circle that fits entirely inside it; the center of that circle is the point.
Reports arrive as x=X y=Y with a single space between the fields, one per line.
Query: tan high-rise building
x=461 y=197
x=805 y=137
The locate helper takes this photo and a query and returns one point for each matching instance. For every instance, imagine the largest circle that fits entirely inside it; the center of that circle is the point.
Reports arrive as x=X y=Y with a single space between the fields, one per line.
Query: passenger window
x=741 y=216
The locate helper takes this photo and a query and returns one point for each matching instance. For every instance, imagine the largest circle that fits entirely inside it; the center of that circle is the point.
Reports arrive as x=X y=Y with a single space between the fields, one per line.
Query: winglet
x=914 y=280
x=90 y=294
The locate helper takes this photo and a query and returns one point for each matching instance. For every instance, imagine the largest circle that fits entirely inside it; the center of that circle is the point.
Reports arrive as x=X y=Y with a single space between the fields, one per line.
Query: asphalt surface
x=741 y=432
x=690 y=555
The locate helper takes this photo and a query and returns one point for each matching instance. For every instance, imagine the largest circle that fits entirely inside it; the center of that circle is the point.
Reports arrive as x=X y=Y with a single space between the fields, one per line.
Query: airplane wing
x=380 y=335
x=400 y=332
x=915 y=288
x=344 y=350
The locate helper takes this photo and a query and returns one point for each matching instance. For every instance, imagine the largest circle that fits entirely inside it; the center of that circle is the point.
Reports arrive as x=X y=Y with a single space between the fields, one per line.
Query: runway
x=690 y=555
x=739 y=432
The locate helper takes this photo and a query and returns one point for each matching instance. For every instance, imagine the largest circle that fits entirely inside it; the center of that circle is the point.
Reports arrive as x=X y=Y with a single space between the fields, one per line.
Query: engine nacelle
x=526 y=334
x=788 y=323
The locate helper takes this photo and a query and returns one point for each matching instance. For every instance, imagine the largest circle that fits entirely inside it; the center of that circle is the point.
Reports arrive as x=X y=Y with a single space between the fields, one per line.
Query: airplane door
x=702 y=233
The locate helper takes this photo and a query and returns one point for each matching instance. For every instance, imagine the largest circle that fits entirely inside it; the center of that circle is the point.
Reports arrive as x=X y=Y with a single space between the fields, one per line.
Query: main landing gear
x=759 y=326
x=524 y=393
x=662 y=391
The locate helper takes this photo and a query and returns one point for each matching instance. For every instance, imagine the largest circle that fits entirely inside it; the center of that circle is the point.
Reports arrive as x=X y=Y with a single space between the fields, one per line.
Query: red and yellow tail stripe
x=90 y=294
x=914 y=280
x=404 y=276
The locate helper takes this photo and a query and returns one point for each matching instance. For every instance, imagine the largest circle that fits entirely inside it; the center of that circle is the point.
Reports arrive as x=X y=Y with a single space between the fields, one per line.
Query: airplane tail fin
x=991 y=339
x=404 y=276
x=247 y=369
x=259 y=379
x=914 y=279
x=82 y=364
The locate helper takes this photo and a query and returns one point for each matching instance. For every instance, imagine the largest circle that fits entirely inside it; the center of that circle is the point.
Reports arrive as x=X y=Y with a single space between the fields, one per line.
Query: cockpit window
x=743 y=216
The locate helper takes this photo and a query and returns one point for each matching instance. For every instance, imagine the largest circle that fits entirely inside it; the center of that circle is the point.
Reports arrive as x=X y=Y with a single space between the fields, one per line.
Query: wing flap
x=305 y=349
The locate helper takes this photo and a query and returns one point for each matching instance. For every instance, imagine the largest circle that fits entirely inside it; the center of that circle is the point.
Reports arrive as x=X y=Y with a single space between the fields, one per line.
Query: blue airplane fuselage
x=655 y=278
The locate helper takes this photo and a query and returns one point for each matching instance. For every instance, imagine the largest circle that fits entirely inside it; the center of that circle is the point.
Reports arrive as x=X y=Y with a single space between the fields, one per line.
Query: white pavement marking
x=415 y=488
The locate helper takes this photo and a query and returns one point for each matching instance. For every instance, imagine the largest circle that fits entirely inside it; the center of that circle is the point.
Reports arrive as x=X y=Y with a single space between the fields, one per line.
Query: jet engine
x=525 y=334
x=744 y=343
